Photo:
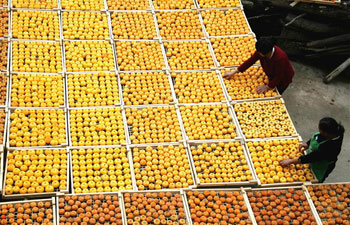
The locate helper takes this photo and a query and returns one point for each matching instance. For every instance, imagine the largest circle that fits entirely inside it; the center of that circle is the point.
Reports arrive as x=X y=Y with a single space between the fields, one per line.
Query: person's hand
x=229 y=75
x=262 y=89
x=286 y=162
x=303 y=147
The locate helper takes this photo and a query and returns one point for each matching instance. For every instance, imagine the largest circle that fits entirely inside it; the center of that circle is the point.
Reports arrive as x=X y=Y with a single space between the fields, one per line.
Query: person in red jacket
x=274 y=62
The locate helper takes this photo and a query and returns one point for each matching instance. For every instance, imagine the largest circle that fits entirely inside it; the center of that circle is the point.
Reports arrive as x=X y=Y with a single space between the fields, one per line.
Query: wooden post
x=337 y=71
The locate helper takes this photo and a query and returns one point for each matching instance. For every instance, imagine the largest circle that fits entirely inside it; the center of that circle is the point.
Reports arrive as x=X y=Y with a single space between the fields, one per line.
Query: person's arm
x=249 y=62
x=243 y=67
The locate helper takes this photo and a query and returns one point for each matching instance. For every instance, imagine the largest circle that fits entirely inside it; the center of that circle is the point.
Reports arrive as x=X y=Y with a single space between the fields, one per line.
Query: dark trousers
x=329 y=170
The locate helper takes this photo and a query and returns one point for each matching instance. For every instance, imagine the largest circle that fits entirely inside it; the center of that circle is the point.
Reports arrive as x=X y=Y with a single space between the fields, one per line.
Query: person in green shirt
x=322 y=149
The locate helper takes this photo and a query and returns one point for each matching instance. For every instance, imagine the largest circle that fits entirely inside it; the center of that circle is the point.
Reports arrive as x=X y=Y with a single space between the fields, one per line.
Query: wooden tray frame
x=130 y=149
x=36 y=195
x=128 y=155
x=253 y=182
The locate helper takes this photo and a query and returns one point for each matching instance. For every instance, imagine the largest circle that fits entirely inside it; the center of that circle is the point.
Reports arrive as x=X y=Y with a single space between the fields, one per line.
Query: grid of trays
x=79 y=81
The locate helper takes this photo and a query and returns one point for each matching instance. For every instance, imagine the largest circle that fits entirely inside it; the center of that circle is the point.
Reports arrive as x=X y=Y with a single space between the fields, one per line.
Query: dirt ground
x=308 y=99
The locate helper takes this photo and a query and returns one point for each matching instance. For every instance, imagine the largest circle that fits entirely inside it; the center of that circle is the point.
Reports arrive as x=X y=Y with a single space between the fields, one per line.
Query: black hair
x=264 y=45
x=330 y=125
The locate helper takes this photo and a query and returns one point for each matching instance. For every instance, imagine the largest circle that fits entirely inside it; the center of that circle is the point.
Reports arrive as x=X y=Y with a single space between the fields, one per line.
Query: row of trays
x=68 y=53
x=198 y=15
x=121 y=84
x=230 y=163
x=226 y=121
x=305 y=204
x=111 y=5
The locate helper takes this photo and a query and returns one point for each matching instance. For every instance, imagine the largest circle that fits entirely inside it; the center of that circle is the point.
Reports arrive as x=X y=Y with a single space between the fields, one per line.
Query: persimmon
x=188 y=55
x=224 y=212
x=133 y=25
x=4 y=21
x=160 y=171
x=50 y=60
x=243 y=85
x=225 y=22
x=284 y=209
x=88 y=5
x=153 y=125
x=3 y=54
x=128 y=4
x=170 y=4
x=233 y=51
x=218 y=3
x=36 y=171
x=336 y=211
x=96 y=126
x=89 y=56
x=95 y=26
x=143 y=55
x=179 y=25
x=89 y=170
x=31 y=4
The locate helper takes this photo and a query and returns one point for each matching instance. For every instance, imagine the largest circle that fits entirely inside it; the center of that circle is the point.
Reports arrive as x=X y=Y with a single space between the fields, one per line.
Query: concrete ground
x=308 y=99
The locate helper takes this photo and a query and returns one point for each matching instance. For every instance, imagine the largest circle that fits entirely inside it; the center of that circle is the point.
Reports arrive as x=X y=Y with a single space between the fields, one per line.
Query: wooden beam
x=337 y=71
x=329 y=41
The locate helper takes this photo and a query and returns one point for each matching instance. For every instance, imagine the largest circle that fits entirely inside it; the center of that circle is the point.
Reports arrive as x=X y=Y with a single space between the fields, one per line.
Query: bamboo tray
x=35 y=195
x=7 y=79
x=221 y=87
x=142 y=73
x=252 y=182
x=51 y=200
x=33 y=10
x=173 y=191
x=326 y=196
x=232 y=35
x=296 y=188
x=35 y=147
x=128 y=155
x=89 y=108
x=2 y=41
x=115 y=194
x=235 y=101
x=242 y=192
x=295 y=134
x=68 y=77
x=2 y=160
x=231 y=116
x=63 y=82
x=6 y=125
x=275 y=184
x=154 y=146
x=129 y=127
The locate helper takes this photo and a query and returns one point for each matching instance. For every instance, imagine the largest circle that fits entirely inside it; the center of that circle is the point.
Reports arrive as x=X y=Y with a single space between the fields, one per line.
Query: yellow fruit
x=133 y=25
x=89 y=56
x=188 y=55
x=128 y=4
x=146 y=88
x=97 y=89
x=97 y=126
x=32 y=4
x=196 y=87
x=142 y=55
x=28 y=180
x=40 y=57
x=208 y=122
x=233 y=51
x=266 y=156
x=153 y=125
x=26 y=24
x=218 y=3
x=164 y=166
x=170 y=4
x=225 y=22
x=94 y=27
x=179 y=25
x=264 y=119
x=83 y=4
x=37 y=90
